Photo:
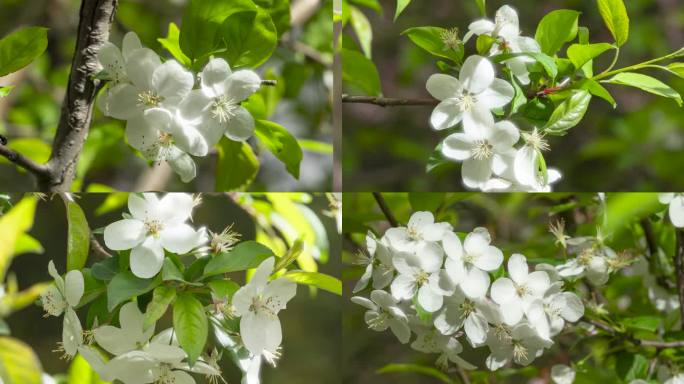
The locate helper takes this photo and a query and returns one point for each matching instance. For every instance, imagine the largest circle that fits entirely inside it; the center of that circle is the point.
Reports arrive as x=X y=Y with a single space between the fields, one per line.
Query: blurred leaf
x=569 y=113
x=645 y=83
x=27 y=244
x=430 y=39
x=106 y=269
x=16 y=301
x=360 y=72
x=630 y=366
x=125 y=285
x=371 y=4
x=419 y=369
x=172 y=44
x=677 y=68
x=316 y=146
x=35 y=149
x=237 y=166
x=80 y=372
x=615 y=16
x=581 y=54
x=646 y=323
x=190 y=324
x=5 y=90
x=279 y=11
x=291 y=256
x=281 y=143
x=13 y=225
x=162 y=297
x=555 y=29
x=363 y=30
x=224 y=289
x=250 y=38
x=292 y=221
x=21 y=47
x=484 y=43
x=78 y=238
x=426 y=201
x=18 y=363
x=316 y=279
x=246 y=255
x=623 y=208
x=482 y=7
x=401 y=5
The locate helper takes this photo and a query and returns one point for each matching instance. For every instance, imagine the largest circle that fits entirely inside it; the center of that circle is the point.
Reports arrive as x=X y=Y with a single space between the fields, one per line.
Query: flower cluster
x=487 y=148
x=427 y=281
x=166 y=118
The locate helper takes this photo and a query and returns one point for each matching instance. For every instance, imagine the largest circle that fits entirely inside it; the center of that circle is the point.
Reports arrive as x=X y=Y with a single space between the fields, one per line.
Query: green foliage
x=246 y=255
x=555 y=29
x=33 y=148
x=581 y=54
x=363 y=30
x=482 y=7
x=569 y=113
x=418 y=369
x=21 y=47
x=172 y=44
x=598 y=90
x=281 y=143
x=646 y=83
x=236 y=167
x=5 y=90
x=401 y=5
x=431 y=40
x=249 y=38
x=80 y=372
x=190 y=324
x=13 y=224
x=426 y=202
x=615 y=16
x=125 y=285
x=162 y=297
x=360 y=72
x=631 y=366
x=645 y=323
x=624 y=207
x=318 y=280
x=78 y=238
x=18 y=363
x=544 y=60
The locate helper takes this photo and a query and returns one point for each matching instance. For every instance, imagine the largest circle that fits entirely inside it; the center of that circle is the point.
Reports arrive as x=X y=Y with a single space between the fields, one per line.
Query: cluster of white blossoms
x=487 y=148
x=167 y=119
x=427 y=281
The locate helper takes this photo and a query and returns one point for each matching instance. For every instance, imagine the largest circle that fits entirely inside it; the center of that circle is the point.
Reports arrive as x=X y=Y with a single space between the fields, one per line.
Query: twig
x=464 y=375
x=624 y=335
x=650 y=239
x=41 y=171
x=271 y=83
x=679 y=270
x=385 y=209
x=97 y=249
x=654 y=261
x=387 y=101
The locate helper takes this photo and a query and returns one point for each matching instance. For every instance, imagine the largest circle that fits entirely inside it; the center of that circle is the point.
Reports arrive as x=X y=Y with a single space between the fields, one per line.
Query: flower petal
x=260 y=332
x=676 y=211
x=72 y=333
x=505 y=135
x=430 y=256
x=446 y=115
x=213 y=77
x=490 y=259
x=242 y=84
x=124 y=234
x=573 y=309
x=364 y=302
x=140 y=67
x=403 y=287
x=476 y=328
x=400 y=329
x=171 y=80
x=176 y=208
x=182 y=164
x=525 y=166
x=421 y=218
x=476 y=172
x=241 y=126
x=538 y=282
x=458 y=146
x=517 y=268
x=430 y=300
x=122 y=102
x=113 y=340
x=262 y=273
x=665 y=198
x=147 y=258
x=443 y=86
x=181 y=377
x=278 y=292
x=130 y=43
x=73 y=287
x=498 y=95
x=503 y=291
x=187 y=137
x=452 y=246
x=476 y=283
x=477 y=120
x=132 y=367
x=112 y=61
x=477 y=74
x=481 y=27
x=477 y=241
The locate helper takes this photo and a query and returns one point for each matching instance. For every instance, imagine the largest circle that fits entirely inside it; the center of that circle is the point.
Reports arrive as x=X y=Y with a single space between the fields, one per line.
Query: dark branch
x=385 y=209
x=96 y=249
x=388 y=102
x=269 y=82
x=679 y=270
x=639 y=342
x=39 y=170
x=653 y=259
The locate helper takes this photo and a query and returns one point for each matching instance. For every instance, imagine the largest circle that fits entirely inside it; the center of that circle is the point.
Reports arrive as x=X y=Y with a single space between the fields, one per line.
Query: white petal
x=456 y=270
x=525 y=166
x=458 y=146
x=477 y=120
x=132 y=367
x=130 y=43
x=573 y=309
x=481 y=27
x=507 y=21
x=517 y=268
x=421 y=218
x=176 y=208
x=165 y=353
x=262 y=273
x=562 y=374
x=185 y=135
x=72 y=333
x=677 y=212
x=476 y=172
x=476 y=328
x=430 y=255
x=665 y=198
x=95 y=360
x=446 y=115
x=512 y=312
x=400 y=329
x=214 y=76
x=403 y=287
x=59 y=281
x=490 y=259
x=477 y=74
x=179 y=238
x=124 y=234
x=195 y=105
x=538 y=282
x=498 y=95
x=242 y=84
x=140 y=67
x=476 y=283
x=182 y=164
x=537 y=318
x=122 y=102
x=443 y=86
x=382 y=276
x=442 y=283
x=364 y=279
x=452 y=246
x=477 y=241
x=278 y=292
x=503 y=290
x=172 y=80
x=112 y=61
x=505 y=135
x=73 y=287
x=260 y=332
x=147 y=258
x=428 y=299
x=241 y=126
x=180 y=377
x=113 y=340
x=364 y=302
x=140 y=134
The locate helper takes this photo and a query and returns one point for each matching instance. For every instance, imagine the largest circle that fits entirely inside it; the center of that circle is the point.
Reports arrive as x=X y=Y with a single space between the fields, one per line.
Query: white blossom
x=469 y=263
x=420 y=274
x=517 y=293
x=61 y=298
x=421 y=228
x=522 y=346
x=383 y=312
x=379 y=267
x=676 y=207
x=129 y=336
x=460 y=311
x=562 y=374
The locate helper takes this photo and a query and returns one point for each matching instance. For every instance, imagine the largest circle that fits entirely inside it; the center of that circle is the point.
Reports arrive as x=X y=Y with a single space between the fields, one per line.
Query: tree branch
x=388 y=102
x=39 y=170
x=624 y=335
x=653 y=260
x=96 y=249
x=271 y=83
x=679 y=270
x=385 y=209
x=96 y=17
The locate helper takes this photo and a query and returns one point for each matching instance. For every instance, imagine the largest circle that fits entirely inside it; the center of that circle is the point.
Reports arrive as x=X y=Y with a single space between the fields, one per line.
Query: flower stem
x=634 y=67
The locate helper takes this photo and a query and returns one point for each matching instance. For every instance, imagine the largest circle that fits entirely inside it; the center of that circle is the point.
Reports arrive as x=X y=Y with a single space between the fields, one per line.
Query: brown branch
x=271 y=83
x=639 y=342
x=385 y=209
x=96 y=249
x=387 y=101
x=96 y=17
x=679 y=270
x=653 y=260
x=41 y=171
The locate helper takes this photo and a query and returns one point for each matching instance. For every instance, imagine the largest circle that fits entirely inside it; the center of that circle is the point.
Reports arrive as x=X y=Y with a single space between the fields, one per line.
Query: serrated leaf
x=569 y=113
x=190 y=324
x=21 y=47
x=162 y=297
x=246 y=255
x=555 y=29
x=78 y=238
x=615 y=16
x=316 y=279
x=646 y=83
x=281 y=143
x=581 y=54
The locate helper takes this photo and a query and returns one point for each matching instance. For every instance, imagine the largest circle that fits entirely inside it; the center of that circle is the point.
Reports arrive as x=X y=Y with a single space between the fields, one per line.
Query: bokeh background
x=311 y=323
x=637 y=147
x=29 y=115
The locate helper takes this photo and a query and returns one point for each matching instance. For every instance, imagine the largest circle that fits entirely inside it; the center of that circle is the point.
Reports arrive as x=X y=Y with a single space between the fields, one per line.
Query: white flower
x=383 y=312
x=676 y=208
x=216 y=106
x=420 y=273
x=459 y=311
x=468 y=264
x=113 y=59
x=517 y=293
x=421 y=228
x=591 y=260
x=153 y=84
x=130 y=336
x=62 y=297
x=379 y=265
x=506 y=30
x=562 y=374
x=155 y=362
x=522 y=345
x=258 y=304
x=470 y=98
x=478 y=149
x=155 y=224
x=548 y=314
x=430 y=341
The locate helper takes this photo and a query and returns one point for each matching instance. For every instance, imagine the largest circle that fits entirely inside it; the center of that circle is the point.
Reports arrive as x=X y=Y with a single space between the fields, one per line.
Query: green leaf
x=279 y=11
x=569 y=113
x=547 y=62
x=484 y=44
x=316 y=146
x=644 y=323
x=246 y=255
x=162 y=297
x=5 y=90
x=430 y=39
x=316 y=279
x=18 y=363
x=581 y=54
x=677 y=69
x=170 y=271
x=202 y=21
x=360 y=72
x=190 y=324
x=555 y=29
x=27 y=244
x=625 y=207
x=646 y=83
x=482 y=6
x=414 y=368
x=13 y=225
x=224 y=289
x=401 y=5
x=631 y=366
x=125 y=286
x=80 y=372
x=615 y=16
x=106 y=269
x=363 y=30
x=250 y=38
x=426 y=201
x=371 y=4
x=78 y=238
x=598 y=90
x=237 y=166
x=281 y=143
x=21 y=47
x=172 y=44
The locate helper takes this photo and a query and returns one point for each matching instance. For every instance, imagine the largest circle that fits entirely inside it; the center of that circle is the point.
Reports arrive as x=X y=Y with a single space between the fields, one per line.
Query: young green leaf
x=125 y=285
x=645 y=83
x=431 y=40
x=78 y=237
x=401 y=5
x=547 y=62
x=246 y=255
x=615 y=16
x=237 y=166
x=172 y=44
x=363 y=30
x=482 y=7
x=598 y=90
x=281 y=143
x=419 y=369
x=677 y=69
x=106 y=269
x=18 y=363
x=249 y=38
x=5 y=90
x=555 y=29
x=316 y=279
x=643 y=323
x=21 y=47
x=223 y=288
x=162 y=297
x=12 y=225
x=484 y=44
x=170 y=271
x=190 y=324
x=581 y=54
x=360 y=72
x=371 y=4
x=569 y=113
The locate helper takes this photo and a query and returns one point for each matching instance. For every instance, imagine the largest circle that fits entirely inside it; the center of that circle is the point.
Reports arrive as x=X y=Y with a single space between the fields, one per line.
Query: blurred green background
x=29 y=115
x=311 y=323
x=637 y=147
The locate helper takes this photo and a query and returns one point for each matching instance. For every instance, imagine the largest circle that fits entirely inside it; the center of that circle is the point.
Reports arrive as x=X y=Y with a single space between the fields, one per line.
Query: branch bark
x=39 y=170
x=645 y=343
x=387 y=101
x=96 y=17
x=679 y=270
x=385 y=209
